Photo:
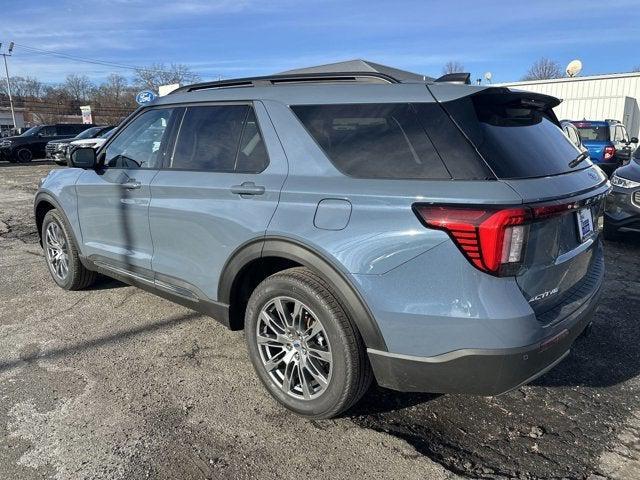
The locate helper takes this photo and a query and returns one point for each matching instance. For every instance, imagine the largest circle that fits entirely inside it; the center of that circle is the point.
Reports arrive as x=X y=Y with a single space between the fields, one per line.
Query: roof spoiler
x=463 y=78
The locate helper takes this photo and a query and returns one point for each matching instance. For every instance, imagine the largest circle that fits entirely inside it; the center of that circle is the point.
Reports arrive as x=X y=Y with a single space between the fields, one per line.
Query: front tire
x=61 y=254
x=304 y=348
x=24 y=155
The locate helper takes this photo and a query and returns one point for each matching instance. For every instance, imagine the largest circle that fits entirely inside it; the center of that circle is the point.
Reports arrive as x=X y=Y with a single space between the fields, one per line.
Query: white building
x=598 y=97
x=6 y=121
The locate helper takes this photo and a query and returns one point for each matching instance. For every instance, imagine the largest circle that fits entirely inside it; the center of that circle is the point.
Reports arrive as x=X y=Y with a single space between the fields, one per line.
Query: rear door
x=520 y=140
x=218 y=189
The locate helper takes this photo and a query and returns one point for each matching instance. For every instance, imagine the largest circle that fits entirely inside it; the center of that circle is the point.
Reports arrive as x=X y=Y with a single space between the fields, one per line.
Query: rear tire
x=305 y=350
x=61 y=254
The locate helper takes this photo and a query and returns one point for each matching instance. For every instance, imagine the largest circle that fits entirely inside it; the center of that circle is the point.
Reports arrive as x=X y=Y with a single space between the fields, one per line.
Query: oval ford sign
x=145 y=96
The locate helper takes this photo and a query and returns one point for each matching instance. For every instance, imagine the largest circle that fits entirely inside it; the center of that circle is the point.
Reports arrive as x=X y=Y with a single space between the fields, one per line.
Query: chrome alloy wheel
x=294 y=348
x=57 y=252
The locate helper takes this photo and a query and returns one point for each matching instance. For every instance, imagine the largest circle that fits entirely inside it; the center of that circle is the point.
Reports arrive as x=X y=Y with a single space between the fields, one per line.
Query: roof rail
x=289 y=79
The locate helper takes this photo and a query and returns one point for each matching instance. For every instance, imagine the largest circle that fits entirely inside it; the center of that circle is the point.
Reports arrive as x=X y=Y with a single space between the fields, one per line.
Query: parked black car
x=31 y=144
x=622 y=211
x=56 y=150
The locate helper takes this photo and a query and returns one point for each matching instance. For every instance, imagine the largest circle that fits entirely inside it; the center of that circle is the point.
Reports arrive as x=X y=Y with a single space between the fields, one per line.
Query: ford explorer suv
x=31 y=144
x=608 y=143
x=433 y=236
x=622 y=208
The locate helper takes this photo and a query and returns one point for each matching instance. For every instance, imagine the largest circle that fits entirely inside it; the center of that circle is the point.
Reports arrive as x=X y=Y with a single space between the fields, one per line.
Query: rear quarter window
x=515 y=138
x=373 y=140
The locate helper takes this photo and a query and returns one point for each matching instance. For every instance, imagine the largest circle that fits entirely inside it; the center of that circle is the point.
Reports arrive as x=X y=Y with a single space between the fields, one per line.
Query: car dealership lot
x=117 y=383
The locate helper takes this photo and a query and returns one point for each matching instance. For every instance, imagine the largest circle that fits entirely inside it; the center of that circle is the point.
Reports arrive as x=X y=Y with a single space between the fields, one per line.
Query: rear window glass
x=517 y=138
x=373 y=140
x=594 y=133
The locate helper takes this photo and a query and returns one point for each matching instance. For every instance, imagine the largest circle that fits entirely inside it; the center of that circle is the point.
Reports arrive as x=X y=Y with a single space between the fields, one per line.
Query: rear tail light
x=609 y=152
x=493 y=240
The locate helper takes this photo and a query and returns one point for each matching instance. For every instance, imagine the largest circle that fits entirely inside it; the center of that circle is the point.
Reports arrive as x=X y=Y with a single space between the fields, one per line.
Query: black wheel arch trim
x=46 y=197
x=271 y=246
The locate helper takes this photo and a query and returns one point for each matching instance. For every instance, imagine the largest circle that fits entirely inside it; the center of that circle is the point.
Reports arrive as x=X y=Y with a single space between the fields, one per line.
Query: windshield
x=107 y=133
x=88 y=133
x=32 y=131
x=594 y=133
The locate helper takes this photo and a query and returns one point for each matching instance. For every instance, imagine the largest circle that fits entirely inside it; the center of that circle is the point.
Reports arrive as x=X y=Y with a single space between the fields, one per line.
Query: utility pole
x=6 y=71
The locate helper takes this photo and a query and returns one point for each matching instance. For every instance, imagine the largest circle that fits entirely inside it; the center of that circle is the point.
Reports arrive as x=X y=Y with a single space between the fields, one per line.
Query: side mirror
x=83 y=158
x=633 y=140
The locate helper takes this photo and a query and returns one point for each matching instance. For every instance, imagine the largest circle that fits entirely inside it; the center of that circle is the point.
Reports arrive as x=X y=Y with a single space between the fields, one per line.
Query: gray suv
x=433 y=236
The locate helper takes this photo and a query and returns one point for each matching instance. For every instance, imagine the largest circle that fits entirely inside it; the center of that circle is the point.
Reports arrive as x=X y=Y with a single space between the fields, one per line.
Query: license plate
x=585 y=223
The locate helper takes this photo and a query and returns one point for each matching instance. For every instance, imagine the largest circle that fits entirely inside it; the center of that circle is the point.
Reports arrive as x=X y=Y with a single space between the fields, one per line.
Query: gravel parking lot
x=117 y=383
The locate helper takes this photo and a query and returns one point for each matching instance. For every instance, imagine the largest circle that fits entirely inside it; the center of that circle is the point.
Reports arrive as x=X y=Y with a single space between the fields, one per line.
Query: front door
x=113 y=199
x=218 y=190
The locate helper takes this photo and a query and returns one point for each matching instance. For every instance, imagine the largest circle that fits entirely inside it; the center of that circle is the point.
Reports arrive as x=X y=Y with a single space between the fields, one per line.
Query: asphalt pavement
x=114 y=382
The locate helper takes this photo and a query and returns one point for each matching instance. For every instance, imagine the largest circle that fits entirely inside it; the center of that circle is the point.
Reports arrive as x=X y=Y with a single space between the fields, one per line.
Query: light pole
x=6 y=71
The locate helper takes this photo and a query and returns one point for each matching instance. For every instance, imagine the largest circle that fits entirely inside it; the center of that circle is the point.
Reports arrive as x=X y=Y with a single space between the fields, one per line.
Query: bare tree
x=636 y=68
x=452 y=66
x=157 y=74
x=543 y=69
x=78 y=87
x=23 y=87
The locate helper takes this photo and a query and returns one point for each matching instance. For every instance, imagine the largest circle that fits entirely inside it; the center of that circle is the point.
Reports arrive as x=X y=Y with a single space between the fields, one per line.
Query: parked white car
x=95 y=142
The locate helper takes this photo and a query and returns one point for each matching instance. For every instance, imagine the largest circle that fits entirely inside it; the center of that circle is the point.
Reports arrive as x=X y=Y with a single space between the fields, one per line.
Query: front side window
x=47 y=131
x=141 y=142
x=373 y=140
x=220 y=138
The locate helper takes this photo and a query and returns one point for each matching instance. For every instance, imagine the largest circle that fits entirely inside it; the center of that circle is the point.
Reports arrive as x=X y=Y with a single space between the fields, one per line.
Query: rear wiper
x=580 y=158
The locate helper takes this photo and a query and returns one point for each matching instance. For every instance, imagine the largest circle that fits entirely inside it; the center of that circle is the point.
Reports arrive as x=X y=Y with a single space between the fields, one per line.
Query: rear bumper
x=482 y=371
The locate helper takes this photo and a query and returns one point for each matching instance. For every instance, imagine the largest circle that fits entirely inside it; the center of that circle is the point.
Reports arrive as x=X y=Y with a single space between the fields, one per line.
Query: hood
x=63 y=140
x=15 y=137
x=631 y=171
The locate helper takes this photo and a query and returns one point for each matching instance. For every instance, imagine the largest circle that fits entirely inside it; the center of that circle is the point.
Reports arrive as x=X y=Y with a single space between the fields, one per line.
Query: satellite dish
x=488 y=76
x=574 y=68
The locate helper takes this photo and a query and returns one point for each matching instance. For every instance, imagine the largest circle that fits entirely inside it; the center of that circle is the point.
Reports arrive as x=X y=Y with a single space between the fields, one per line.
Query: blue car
x=607 y=141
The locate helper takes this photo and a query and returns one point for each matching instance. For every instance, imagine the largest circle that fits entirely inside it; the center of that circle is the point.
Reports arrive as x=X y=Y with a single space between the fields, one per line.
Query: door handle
x=247 y=188
x=131 y=185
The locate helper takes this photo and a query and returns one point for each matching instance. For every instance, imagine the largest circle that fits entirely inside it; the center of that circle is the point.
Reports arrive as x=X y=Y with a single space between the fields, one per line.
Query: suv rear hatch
x=558 y=262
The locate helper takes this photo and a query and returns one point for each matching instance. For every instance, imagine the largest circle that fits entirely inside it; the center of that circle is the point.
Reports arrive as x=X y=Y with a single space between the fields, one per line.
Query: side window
x=620 y=134
x=252 y=154
x=373 y=140
x=139 y=145
x=573 y=136
x=67 y=129
x=221 y=138
x=48 y=131
x=623 y=132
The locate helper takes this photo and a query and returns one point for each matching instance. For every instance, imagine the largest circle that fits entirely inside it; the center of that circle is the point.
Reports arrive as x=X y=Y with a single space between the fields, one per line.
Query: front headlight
x=5 y=143
x=617 y=181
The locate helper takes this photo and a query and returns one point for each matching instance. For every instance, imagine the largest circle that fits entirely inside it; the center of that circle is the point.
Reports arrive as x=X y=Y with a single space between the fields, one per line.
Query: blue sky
x=233 y=38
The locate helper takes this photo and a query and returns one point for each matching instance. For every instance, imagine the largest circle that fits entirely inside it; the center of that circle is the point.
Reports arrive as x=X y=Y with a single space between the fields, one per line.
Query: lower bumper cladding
x=481 y=371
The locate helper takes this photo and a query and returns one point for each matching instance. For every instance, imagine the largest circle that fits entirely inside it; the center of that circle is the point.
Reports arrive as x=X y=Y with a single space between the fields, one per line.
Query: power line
x=93 y=61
